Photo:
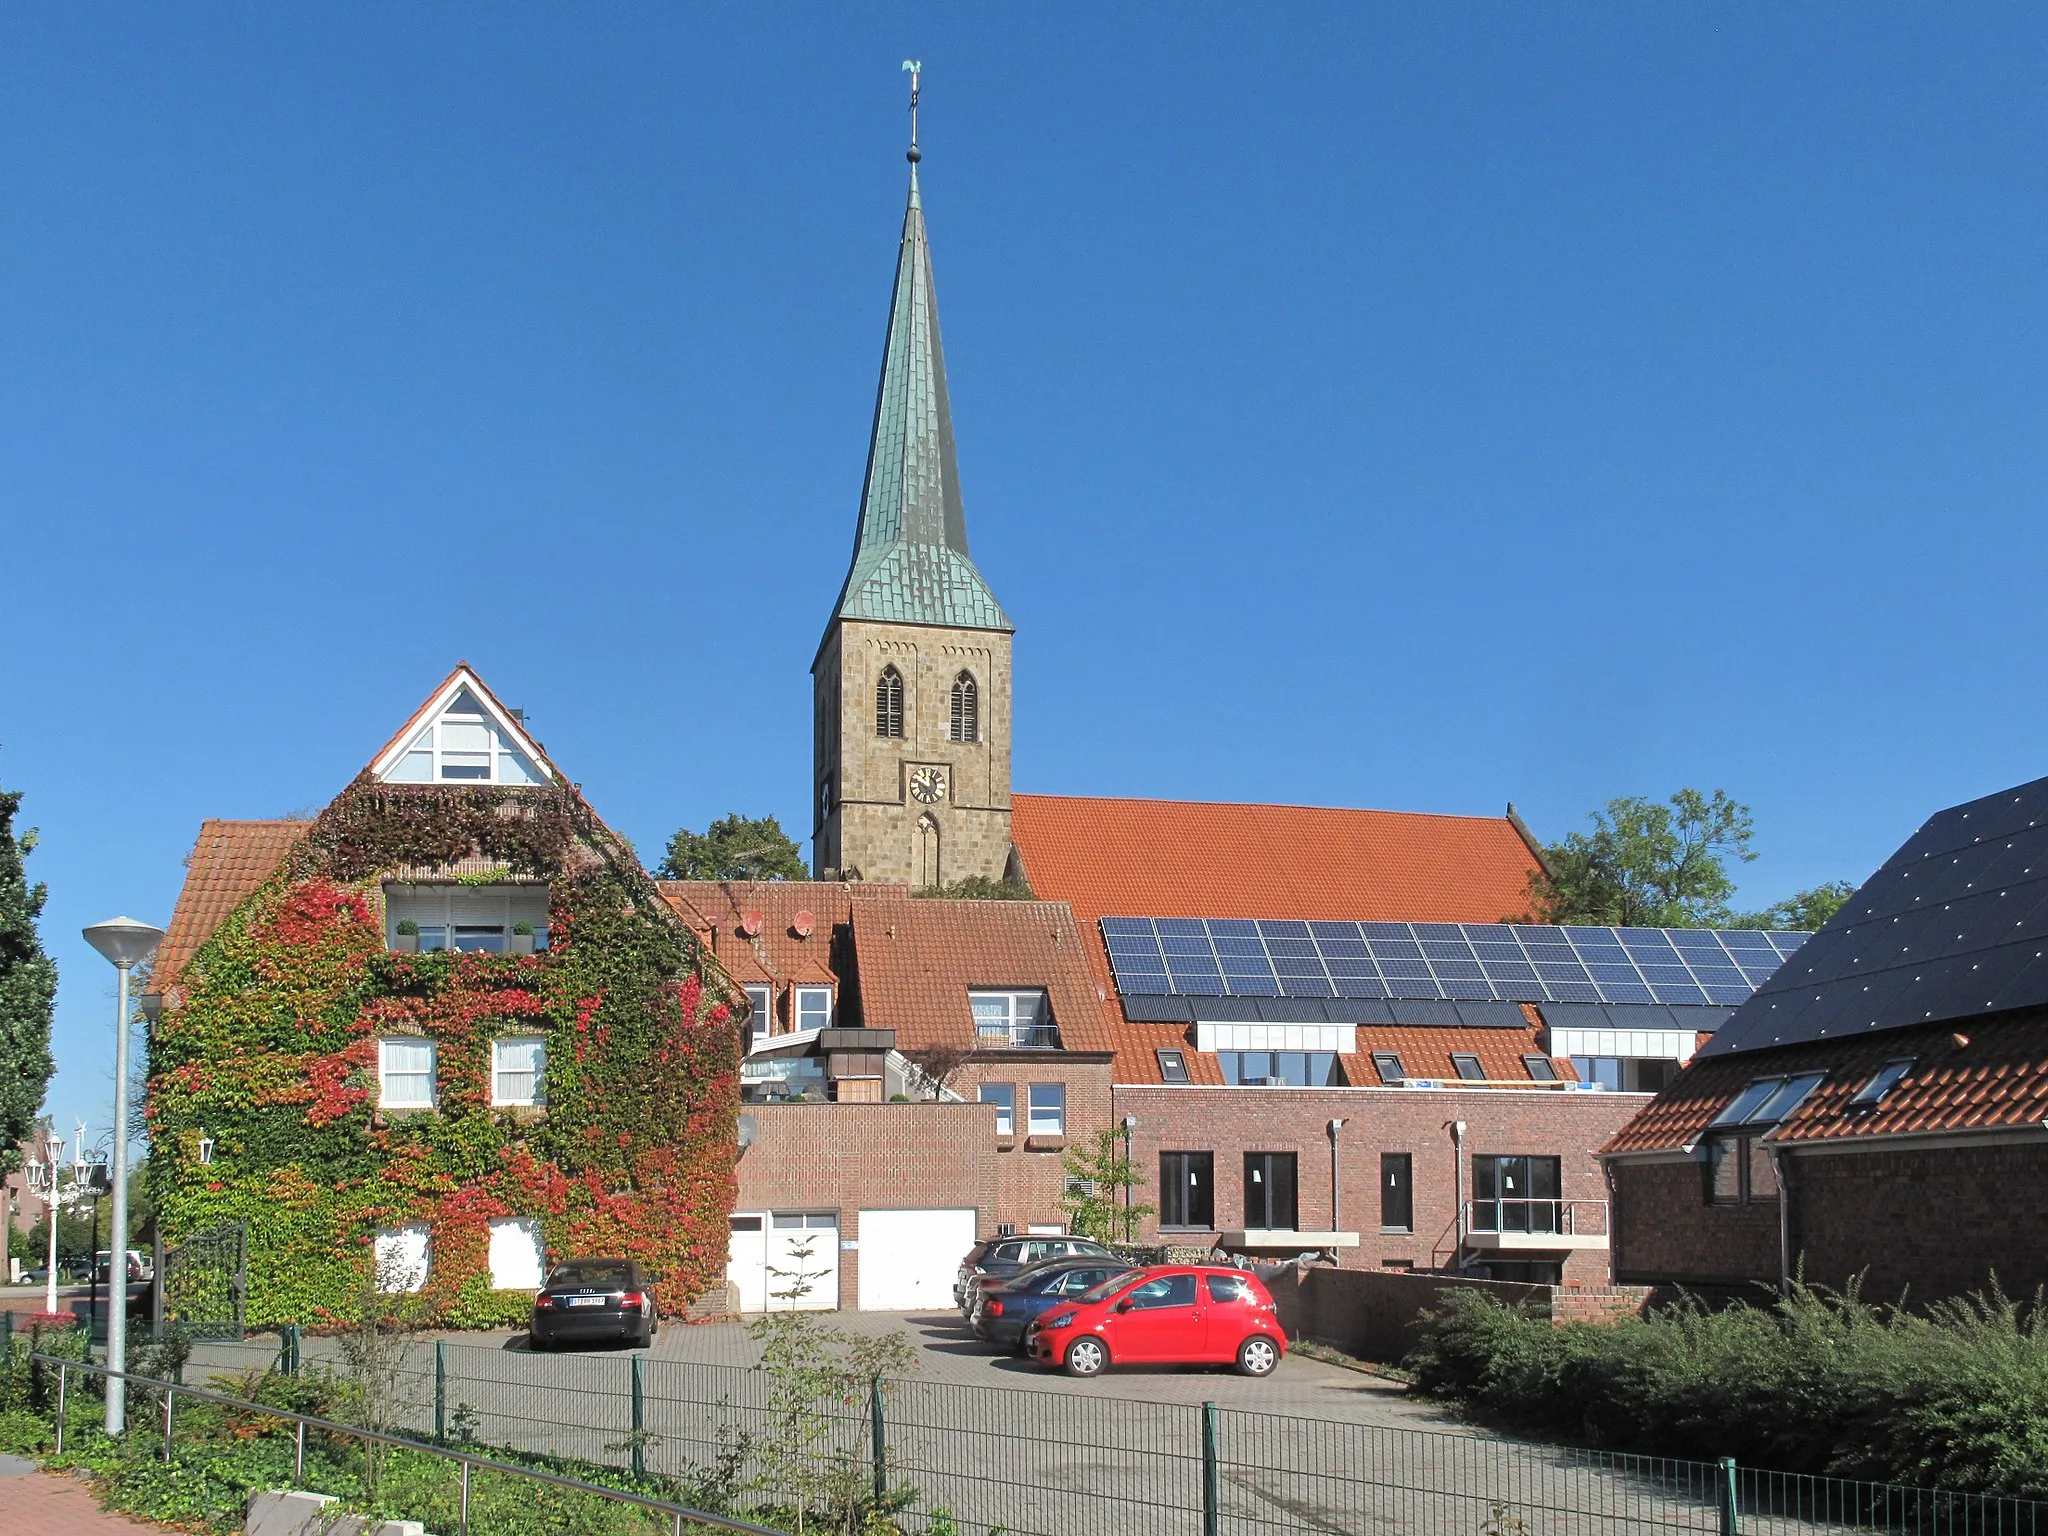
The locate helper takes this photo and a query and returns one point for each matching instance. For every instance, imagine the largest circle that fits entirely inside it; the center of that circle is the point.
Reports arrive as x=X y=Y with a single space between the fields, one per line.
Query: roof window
x=1769 y=1099
x=1541 y=1069
x=1388 y=1065
x=1888 y=1076
x=1468 y=1066
x=1173 y=1066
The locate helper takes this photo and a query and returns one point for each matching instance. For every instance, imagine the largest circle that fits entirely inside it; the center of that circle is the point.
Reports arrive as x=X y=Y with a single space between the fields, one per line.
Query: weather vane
x=914 y=68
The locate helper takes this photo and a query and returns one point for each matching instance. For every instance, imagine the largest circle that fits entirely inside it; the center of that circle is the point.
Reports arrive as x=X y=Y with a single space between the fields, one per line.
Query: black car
x=1005 y=1307
x=1002 y=1257
x=594 y=1299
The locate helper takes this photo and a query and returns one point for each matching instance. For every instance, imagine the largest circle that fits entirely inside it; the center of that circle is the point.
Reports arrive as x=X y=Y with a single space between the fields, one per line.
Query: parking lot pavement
x=949 y=1352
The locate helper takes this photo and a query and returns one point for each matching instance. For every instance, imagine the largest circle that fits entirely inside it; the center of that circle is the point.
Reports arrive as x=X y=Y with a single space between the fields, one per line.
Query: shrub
x=1818 y=1382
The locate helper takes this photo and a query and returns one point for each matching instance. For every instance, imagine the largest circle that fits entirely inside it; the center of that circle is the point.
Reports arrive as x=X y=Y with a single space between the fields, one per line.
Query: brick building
x=1880 y=1109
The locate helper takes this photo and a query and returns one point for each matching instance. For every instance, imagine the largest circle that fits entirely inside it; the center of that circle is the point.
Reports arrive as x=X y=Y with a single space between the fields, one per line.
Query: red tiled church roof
x=1186 y=858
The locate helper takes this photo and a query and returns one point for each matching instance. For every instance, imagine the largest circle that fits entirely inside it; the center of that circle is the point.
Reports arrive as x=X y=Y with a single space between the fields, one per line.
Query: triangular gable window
x=464 y=744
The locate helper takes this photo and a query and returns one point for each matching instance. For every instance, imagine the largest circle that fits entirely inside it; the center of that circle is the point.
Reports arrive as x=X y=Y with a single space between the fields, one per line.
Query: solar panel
x=1469 y=962
x=1955 y=925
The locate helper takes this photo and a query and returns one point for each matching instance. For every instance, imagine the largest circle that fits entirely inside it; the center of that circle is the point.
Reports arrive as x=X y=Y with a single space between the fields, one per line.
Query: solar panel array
x=1954 y=926
x=1477 y=962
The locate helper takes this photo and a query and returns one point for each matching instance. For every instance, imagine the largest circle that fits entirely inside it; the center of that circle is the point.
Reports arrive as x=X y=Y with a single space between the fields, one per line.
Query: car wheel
x=1257 y=1356
x=537 y=1344
x=1086 y=1357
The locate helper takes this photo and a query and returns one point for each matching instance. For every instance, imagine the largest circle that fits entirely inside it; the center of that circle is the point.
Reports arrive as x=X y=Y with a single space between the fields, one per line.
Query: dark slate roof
x=910 y=560
x=1954 y=926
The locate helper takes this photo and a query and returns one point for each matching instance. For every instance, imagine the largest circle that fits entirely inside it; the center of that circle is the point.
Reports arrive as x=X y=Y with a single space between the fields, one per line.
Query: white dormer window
x=464 y=744
x=761 y=999
x=813 y=1007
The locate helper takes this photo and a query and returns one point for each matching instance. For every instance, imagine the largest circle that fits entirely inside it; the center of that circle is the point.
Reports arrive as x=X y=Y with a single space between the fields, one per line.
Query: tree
x=978 y=888
x=28 y=991
x=1099 y=1181
x=734 y=847
x=1801 y=912
x=1647 y=865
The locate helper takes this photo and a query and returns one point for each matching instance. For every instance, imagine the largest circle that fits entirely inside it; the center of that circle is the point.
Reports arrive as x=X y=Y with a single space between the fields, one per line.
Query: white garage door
x=908 y=1258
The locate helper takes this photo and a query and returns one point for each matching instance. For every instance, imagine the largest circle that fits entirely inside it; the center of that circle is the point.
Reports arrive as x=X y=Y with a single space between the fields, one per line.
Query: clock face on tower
x=927 y=785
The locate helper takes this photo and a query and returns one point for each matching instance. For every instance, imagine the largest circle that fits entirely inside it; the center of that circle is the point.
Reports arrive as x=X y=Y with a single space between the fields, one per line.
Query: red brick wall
x=1228 y=1122
x=1028 y=1180
x=1930 y=1221
x=1666 y=1233
x=843 y=1157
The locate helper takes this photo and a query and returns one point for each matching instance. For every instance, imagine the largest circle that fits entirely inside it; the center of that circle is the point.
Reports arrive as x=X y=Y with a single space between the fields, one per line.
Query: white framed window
x=761 y=1000
x=463 y=744
x=401 y=1258
x=474 y=918
x=1018 y=1020
x=1048 y=1109
x=405 y=1073
x=813 y=1007
x=519 y=1065
x=1004 y=1097
x=516 y=1258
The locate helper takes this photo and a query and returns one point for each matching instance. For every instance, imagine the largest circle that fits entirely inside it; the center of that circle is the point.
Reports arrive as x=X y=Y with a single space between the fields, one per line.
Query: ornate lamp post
x=127 y=943
x=43 y=1179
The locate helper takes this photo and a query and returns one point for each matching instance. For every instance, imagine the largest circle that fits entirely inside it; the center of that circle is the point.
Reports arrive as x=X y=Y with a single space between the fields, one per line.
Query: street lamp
x=127 y=943
x=45 y=1184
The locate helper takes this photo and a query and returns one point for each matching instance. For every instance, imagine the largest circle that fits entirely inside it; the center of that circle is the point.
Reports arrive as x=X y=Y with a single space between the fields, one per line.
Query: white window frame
x=1011 y=1015
x=812 y=1003
x=761 y=996
x=1006 y=1108
x=1051 y=1120
x=537 y=1094
x=518 y=1259
x=403 y=1254
x=500 y=748
x=441 y=909
x=384 y=1072
x=1338 y=1039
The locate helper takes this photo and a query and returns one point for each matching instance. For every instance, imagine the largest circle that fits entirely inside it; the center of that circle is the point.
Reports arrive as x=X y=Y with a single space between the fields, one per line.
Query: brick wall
x=1373 y=1313
x=1030 y=1174
x=1666 y=1233
x=1931 y=1221
x=1928 y=1221
x=844 y=1157
x=1229 y=1122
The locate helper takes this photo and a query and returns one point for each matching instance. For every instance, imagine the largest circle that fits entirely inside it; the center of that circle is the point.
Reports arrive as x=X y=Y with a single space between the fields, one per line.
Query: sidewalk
x=56 y=1504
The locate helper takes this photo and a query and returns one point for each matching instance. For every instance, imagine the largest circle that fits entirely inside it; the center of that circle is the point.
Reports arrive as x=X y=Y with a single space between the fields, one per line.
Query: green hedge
x=1955 y=1397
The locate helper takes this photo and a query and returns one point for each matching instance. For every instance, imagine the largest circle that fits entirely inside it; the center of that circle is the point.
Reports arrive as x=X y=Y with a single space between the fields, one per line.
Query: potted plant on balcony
x=407 y=941
x=522 y=938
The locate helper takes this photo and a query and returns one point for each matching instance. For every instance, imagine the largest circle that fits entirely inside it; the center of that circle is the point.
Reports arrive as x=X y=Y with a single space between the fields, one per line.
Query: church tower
x=911 y=684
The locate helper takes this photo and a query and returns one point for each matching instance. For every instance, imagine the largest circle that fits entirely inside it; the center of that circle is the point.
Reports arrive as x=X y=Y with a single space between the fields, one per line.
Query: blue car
x=1005 y=1308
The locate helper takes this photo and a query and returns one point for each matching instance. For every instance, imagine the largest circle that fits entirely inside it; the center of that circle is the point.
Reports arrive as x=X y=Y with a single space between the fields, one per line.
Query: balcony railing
x=1018 y=1037
x=1501 y=1224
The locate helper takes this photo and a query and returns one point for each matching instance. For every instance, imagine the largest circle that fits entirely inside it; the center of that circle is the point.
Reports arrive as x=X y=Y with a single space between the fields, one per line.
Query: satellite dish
x=804 y=923
x=750 y=922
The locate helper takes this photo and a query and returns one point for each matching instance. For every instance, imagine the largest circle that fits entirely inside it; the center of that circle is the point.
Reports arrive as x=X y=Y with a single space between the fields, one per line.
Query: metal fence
x=1040 y=1463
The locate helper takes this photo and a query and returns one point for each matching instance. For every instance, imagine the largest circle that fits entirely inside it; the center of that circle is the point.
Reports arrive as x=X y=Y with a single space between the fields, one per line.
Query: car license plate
x=586 y=1301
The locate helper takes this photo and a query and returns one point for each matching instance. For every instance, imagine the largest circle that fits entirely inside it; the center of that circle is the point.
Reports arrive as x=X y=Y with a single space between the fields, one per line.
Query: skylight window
x=1769 y=1099
x=1468 y=1066
x=1388 y=1064
x=1887 y=1079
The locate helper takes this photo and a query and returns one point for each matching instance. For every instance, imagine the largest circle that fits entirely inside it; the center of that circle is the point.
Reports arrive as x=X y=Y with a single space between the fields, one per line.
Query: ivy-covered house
x=441 y=1034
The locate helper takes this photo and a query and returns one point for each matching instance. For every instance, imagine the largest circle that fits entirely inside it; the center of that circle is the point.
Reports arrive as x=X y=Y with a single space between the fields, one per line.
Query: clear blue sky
x=1356 y=406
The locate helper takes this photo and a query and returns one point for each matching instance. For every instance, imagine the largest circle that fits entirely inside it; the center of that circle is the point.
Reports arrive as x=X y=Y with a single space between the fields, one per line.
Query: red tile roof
x=778 y=953
x=227 y=864
x=1187 y=858
x=918 y=958
x=1997 y=1077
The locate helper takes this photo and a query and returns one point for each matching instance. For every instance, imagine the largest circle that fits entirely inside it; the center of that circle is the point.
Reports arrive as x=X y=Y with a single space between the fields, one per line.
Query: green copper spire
x=910 y=562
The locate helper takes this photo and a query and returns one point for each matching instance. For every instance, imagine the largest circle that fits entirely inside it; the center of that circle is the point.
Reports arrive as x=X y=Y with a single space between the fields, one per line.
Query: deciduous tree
x=734 y=847
x=1647 y=865
x=28 y=991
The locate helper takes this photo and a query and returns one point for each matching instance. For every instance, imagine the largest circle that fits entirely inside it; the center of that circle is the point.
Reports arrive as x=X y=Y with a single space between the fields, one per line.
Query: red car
x=1167 y=1315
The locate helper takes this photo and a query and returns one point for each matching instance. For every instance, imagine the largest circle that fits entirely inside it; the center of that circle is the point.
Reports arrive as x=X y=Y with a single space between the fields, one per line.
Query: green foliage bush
x=1954 y=1397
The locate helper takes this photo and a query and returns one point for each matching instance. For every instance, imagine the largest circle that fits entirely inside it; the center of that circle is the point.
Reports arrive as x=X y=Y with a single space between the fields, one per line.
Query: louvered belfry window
x=889 y=703
x=966 y=709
